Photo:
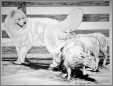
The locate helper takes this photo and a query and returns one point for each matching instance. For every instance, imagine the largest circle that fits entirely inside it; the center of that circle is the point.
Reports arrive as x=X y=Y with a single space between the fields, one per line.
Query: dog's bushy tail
x=73 y=19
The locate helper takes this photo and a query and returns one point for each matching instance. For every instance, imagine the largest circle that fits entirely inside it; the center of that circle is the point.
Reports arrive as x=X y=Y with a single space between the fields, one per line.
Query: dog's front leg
x=19 y=56
x=21 y=53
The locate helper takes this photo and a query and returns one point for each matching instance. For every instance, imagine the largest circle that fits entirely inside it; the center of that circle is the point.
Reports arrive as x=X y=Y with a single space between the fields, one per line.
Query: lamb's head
x=90 y=61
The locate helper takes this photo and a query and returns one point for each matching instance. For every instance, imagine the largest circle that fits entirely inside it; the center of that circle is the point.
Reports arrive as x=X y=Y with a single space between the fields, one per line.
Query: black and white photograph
x=56 y=42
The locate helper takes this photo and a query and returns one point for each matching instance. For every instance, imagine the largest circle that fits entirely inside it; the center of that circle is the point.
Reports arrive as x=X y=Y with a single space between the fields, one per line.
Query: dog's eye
x=24 y=18
x=18 y=19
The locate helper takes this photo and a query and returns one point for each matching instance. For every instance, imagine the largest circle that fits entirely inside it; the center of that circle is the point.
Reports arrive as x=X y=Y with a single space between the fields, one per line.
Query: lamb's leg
x=68 y=73
x=68 y=70
x=84 y=71
x=105 y=58
x=96 y=62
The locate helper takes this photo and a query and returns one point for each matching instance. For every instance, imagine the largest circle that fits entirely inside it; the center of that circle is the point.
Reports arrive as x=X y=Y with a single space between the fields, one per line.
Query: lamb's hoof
x=68 y=78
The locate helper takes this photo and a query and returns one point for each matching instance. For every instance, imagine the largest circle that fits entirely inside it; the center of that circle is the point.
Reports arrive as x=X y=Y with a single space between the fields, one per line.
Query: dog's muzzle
x=24 y=23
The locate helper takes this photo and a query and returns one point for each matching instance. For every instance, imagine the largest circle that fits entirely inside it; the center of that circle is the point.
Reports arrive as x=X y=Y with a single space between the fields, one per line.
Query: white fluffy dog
x=16 y=26
x=23 y=33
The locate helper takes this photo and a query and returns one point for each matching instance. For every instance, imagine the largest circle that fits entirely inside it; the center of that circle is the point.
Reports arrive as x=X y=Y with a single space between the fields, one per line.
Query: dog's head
x=17 y=17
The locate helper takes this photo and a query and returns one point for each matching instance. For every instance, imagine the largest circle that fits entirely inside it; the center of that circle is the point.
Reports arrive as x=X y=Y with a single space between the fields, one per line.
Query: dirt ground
x=38 y=74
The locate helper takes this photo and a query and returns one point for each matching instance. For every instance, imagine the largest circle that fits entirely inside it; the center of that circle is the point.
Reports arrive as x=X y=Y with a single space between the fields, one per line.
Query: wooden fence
x=97 y=17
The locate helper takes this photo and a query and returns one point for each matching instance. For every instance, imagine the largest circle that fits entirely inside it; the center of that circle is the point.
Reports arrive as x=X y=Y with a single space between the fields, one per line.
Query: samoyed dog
x=16 y=25
x=24 y=32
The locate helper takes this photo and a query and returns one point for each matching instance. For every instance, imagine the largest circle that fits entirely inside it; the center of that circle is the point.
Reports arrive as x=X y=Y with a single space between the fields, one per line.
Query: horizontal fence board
x=58 y=3
x=5 y=35
x=34 y=49
x=95 y=17
x=66 y=10
x=28 y=56
x=86 y=17
x=94 y=25
x=70 y=3
x=58 y=10
x=105 y=32
x=7 y=53
x=8 y=42
x=6 y=10
x=34 y=52
x=34 y=59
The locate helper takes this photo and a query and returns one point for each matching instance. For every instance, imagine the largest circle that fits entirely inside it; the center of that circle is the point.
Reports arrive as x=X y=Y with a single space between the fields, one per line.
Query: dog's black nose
x=24 y=22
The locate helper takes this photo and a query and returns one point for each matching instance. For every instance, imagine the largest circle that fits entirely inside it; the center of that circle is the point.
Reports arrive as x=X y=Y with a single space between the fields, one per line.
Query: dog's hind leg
x=56 y=61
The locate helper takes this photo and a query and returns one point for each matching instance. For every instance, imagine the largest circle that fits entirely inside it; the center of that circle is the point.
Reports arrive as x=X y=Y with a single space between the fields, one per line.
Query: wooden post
x=22 y=6
x=110 y=21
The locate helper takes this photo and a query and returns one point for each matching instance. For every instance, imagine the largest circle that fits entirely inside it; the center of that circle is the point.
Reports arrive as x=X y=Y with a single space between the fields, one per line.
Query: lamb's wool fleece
x=103 y=43
x=77 y=51
x=103 y=40
x=78 y=48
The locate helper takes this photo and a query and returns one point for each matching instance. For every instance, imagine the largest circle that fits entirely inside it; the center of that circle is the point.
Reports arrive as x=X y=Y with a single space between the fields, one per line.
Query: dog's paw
x=17 y=63
x=52 y=67
x=20 y=63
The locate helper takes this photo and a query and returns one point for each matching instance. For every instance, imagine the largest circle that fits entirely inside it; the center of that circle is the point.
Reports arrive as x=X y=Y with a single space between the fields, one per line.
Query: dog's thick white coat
x=42 y=29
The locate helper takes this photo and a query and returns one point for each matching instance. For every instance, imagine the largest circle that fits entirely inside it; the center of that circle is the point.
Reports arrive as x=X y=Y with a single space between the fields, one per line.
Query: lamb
x=103 y=44
x=78 y=51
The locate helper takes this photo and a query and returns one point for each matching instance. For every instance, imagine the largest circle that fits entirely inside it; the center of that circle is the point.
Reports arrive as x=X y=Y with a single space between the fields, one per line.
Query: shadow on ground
x=37 y=65
x=75 y=74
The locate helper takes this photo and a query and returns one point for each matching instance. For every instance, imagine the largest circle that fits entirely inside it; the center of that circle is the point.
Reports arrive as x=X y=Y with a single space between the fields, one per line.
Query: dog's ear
x=12 y=13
